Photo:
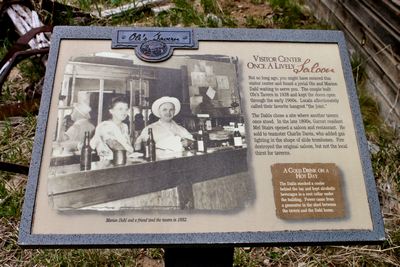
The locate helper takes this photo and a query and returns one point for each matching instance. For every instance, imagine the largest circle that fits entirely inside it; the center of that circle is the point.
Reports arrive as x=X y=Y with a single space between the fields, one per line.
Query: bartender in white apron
x=170 y=138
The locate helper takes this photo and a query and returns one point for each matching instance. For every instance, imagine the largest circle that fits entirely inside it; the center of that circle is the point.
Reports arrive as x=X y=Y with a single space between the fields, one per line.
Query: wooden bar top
x=70 y=188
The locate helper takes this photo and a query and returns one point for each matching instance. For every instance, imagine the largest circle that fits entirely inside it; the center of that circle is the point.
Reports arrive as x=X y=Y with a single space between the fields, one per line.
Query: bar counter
x=70 y=188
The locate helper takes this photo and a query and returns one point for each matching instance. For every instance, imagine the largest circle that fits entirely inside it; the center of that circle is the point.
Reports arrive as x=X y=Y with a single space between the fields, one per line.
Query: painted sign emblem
x=153 y=45
x=153 y=49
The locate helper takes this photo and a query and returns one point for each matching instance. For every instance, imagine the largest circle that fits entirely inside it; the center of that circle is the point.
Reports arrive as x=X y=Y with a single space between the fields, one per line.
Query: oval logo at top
x=153 y=50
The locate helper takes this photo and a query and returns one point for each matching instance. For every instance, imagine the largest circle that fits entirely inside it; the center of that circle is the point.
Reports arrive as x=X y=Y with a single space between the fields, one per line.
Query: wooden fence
x=372 y=30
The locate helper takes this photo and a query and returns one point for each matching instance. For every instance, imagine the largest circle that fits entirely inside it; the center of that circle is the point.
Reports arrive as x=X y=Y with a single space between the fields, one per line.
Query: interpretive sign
x=161 y=136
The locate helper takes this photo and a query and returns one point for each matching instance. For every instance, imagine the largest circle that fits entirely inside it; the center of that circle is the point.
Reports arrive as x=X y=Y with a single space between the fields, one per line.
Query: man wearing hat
x=168 y=135
x=80 y=115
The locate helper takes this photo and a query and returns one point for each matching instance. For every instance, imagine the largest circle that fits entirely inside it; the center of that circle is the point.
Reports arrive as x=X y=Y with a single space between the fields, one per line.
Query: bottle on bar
x=208 y=125
x=145 y=150
x=86 y=154
x=150 y=147
x=206 y=136
x=201 y=142
x=237 y=137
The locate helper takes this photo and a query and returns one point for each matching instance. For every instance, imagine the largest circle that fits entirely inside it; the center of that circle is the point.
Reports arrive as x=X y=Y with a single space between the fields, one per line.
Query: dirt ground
x=242 y=9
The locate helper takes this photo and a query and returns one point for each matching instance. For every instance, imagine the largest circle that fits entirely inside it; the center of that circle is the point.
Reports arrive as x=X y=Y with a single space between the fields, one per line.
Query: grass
x=209 y=6
x=291 y=14
x=257 y=2
x=88 y=257
x=29 y=72
x=255 y=22
x=11 y=196
x=287 y=13
x=32 y=69
x=16 y=138
x=6 y=37
x=97 y=5
x=243 y=257
x=376 y=129
x=183 y=14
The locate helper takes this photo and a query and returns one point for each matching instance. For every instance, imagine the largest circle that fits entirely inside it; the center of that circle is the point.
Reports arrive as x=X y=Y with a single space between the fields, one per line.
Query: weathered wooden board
x=372 y=28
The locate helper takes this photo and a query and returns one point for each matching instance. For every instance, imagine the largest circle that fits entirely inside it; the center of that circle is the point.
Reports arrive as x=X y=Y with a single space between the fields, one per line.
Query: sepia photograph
x=137 y=136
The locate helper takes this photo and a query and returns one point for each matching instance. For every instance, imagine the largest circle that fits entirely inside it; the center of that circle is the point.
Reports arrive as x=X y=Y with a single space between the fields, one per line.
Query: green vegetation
x=209 y=6
x=4 y=46
x=30 y=71
x=287 y=13
x=9 y=94
x=255 y=22
x=183 y=13
x=244 y=257
x=386 y=160
x=257 y=2
x=5 y=40
x=16 y=140
x=291 y=14
x=186 y=14
x=11 y=197
x=96 y=5
x=375 y=128
x=386 y=164
x=88 y=257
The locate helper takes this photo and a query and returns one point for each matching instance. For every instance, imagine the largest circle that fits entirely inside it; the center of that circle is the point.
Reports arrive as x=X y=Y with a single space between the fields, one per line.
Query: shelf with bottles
x=220 y=136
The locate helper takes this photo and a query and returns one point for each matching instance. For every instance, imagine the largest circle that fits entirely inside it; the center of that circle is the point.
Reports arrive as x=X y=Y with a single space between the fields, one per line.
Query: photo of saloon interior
x=132 y=135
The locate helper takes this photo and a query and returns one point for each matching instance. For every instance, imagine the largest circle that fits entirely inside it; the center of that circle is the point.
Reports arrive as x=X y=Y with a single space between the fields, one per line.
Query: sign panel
x=210 y=136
